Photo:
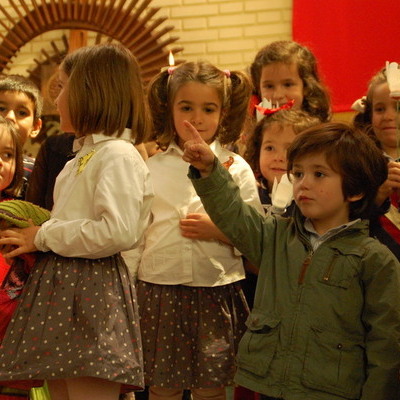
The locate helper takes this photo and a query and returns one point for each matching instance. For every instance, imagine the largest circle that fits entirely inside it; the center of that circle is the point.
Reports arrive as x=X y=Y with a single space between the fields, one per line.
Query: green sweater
x=325 y=324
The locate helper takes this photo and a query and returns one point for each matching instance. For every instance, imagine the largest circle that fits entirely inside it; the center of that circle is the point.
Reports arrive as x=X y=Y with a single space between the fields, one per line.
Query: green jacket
x=325 y=324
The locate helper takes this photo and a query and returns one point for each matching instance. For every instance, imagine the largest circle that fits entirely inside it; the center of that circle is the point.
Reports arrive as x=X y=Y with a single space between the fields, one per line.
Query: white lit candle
x=171 y=62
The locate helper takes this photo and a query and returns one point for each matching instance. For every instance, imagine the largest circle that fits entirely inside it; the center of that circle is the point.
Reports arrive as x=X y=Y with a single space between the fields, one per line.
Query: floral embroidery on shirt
x=82 y=162
x=228 y=162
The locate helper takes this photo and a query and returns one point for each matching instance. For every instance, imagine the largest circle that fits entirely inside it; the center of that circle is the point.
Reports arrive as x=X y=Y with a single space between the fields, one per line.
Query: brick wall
x=225 y=32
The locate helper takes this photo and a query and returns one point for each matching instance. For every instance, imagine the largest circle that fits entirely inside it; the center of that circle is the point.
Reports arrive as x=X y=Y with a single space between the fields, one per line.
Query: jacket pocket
x=341 y=270
x=258 y=345
x=334 y=364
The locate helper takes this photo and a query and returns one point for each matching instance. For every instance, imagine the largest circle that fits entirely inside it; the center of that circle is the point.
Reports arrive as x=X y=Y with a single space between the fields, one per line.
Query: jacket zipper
x=304 y=267
x=329 y=270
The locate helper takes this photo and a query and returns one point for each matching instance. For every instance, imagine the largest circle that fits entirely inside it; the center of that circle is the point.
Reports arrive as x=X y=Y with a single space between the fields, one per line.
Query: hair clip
x=227 y=73
x=264 y=108
x=359 y=104
x=171 y=69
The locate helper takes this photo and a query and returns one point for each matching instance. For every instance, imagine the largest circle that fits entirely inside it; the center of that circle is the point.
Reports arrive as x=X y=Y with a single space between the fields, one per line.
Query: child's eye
x=185 y=108
x=297 y=174
x=269 y=148
x=319 y=174
x=268 y=86
x=209 y=110
x=379 y=109
x=7 y=155
x=22 y=113
x=2 y=109
x=288 y=84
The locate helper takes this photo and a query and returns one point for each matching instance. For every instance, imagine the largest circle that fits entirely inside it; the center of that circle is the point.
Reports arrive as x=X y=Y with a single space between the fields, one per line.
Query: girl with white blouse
x=191 y=304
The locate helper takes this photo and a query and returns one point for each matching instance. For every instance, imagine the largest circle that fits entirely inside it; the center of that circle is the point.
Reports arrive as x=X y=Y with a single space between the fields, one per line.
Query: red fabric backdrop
x=352 y=39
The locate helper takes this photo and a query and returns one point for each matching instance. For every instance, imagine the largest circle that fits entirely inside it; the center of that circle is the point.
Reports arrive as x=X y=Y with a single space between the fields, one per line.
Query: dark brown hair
x=298 y=120
x=349 y=152
x=105 y=91
x=233 y=88
x=316 y=98
x=18 y=83
x=15 y=185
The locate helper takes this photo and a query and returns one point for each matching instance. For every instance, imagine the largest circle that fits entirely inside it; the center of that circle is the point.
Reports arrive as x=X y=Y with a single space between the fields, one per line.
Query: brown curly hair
x=316 y=99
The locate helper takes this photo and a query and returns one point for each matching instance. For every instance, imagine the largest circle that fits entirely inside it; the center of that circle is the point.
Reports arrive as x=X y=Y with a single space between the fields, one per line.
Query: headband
x=265 y=108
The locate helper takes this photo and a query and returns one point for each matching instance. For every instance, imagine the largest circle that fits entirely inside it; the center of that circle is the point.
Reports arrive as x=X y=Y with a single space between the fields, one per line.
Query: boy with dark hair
x=326 y=318
x=21 y=102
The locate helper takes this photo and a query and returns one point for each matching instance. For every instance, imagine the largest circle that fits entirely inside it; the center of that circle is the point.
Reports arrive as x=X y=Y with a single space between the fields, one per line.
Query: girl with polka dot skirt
x=77 y=324
x=191 y=305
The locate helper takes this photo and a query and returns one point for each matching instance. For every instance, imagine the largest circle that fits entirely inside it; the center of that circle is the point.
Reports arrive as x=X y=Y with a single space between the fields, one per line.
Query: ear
x=356 y=197
x=37 y=126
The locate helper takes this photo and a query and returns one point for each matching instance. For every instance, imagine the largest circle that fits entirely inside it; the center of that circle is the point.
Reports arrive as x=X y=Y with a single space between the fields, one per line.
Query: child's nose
x=278 y=96
x=280 y=156
x=196 y=118
x=304 y=182
x=390 y=113
x=10 y=115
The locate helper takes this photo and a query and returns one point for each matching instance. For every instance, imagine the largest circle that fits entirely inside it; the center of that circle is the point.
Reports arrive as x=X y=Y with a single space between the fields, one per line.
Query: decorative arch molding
x=134 y=24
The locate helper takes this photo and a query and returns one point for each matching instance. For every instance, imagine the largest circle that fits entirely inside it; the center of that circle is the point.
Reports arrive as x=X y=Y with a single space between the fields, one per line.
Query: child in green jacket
x=326 y=318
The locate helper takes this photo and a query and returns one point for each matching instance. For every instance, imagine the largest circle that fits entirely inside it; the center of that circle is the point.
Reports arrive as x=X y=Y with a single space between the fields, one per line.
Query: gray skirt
x=190 y=334
x=76 y=318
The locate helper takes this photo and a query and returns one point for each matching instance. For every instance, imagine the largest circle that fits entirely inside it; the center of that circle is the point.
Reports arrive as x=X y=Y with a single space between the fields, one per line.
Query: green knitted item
x=16 y=213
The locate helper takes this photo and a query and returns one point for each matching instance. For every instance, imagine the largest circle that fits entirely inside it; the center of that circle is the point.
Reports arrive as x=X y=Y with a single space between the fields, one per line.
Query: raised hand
x=197 y=152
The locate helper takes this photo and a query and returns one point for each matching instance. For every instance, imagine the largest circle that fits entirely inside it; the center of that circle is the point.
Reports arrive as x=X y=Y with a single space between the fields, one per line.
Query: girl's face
x=62 y=103
x=200 y=105
x=275 y=142
x=7 y=158
x=384 y=119
x=280 y=83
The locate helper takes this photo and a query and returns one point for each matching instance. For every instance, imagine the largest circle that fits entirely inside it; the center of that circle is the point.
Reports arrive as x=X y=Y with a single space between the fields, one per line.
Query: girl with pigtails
x=191 y=305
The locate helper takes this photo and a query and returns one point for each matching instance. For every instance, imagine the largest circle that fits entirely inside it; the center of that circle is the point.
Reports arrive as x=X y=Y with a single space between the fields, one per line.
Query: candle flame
x=171 y=59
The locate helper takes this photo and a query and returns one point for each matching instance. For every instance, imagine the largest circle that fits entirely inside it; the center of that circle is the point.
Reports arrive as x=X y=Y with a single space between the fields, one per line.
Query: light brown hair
x=233 y=88
x=316 y=98
x=349 y=152
x=105 y=91
x=363 y=120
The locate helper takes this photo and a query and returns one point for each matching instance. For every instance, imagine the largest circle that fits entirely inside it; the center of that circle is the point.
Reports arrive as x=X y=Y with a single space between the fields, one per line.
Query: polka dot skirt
x=77 y=317
x=190 y=334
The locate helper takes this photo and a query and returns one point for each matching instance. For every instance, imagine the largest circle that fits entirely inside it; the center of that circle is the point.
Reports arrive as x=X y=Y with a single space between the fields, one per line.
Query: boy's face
x=318 y=192
x=20 y=109
x=275 y=142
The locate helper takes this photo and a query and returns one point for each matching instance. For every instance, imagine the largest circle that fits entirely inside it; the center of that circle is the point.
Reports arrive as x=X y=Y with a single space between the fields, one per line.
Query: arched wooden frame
x=131 y=24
